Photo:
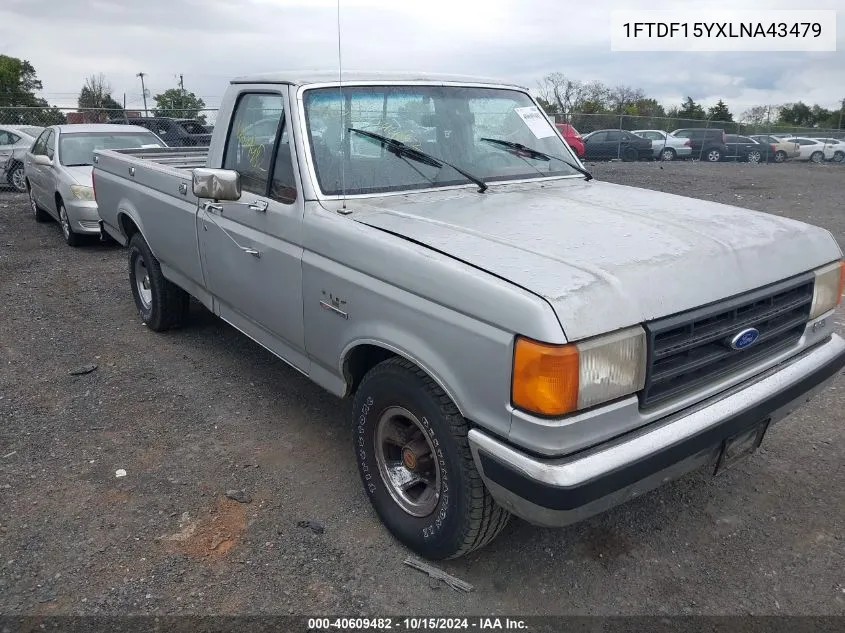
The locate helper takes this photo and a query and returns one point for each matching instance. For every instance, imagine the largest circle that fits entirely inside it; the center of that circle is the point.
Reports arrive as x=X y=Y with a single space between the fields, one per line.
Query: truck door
x=251 y=249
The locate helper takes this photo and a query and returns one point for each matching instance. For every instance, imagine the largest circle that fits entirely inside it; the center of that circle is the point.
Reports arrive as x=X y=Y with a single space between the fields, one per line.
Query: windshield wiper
x=401 y=150
x=534 y=153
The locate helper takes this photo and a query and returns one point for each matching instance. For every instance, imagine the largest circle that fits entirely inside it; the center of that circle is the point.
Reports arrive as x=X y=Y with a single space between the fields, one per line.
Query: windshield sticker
x=535 y=121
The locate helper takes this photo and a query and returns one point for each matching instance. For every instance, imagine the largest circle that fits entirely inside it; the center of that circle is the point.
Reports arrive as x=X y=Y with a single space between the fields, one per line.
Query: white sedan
x=838 y=146
x=811 y=149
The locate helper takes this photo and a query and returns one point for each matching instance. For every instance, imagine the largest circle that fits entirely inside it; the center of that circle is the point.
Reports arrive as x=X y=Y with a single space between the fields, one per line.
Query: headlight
x=827 y=290
x=557 y=379
x=81 y=192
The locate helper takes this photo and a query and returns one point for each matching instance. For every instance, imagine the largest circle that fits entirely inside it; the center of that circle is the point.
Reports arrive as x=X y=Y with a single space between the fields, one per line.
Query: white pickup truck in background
x=515 y=336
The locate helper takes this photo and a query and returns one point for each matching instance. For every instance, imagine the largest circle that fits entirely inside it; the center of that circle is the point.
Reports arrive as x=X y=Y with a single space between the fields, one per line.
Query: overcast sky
x=209 y=41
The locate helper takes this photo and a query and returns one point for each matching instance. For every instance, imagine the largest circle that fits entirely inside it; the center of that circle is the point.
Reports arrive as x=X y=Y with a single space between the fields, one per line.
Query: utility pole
x=143 y=91
x=182 y=84
x=840 y=113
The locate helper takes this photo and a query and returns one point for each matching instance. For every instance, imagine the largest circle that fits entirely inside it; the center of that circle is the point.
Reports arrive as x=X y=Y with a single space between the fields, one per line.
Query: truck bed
x=152 y=189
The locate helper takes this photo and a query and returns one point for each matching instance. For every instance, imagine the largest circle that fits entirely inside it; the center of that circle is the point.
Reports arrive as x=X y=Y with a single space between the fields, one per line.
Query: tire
x=754 y=157
x=40 y=214
x=455 y=514
x=780 y=156
x=71 y=238
x=17 y=179
x=667 y=154
x=630 y=154
x=713 y=155
x=816 y=157
x=163 y=305
x=838 y=157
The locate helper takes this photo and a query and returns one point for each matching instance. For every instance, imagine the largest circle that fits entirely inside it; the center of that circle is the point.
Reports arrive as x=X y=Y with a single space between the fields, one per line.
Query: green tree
x=691 y=110
x=96 y=101
x=797 y=114
x=549 y=108
x=18 y=102
x=180 y=104
x=720 y=112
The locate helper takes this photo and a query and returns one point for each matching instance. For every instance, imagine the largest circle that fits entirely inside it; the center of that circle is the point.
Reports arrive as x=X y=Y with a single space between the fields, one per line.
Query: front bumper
x=83 y=216
x=556 y=492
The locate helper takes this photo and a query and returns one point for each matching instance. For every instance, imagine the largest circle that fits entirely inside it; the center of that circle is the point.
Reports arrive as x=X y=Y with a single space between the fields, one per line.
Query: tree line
x=20 y=104
x=559 y=94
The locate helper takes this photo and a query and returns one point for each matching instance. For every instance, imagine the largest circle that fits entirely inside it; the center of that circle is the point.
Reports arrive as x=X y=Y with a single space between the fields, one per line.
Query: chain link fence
x=586 y=123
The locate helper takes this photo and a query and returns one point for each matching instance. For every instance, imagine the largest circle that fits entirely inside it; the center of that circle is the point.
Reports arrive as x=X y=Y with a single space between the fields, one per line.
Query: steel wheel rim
x=407 y=461
x=667 y=154
x=713 y=156
x=142 y=283
x=18 y=180
x=64 y=222
x=754 y=157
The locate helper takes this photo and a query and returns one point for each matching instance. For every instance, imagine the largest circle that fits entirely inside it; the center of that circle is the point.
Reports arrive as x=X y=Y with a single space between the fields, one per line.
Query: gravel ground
x=201 y=411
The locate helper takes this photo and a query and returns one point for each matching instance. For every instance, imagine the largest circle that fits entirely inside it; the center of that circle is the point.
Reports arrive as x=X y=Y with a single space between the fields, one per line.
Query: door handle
x=259 y=205
x=250 y=251
x=211 y=207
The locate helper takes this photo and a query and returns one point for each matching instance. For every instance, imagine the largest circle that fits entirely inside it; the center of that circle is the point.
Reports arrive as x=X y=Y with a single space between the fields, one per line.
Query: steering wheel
x=493 y=160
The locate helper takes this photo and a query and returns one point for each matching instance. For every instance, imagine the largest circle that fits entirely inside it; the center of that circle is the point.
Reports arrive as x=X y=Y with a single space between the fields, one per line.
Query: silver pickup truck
x=515 y=337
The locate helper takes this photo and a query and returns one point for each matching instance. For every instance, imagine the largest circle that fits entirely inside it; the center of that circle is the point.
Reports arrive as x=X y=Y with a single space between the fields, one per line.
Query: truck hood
x=605 y=256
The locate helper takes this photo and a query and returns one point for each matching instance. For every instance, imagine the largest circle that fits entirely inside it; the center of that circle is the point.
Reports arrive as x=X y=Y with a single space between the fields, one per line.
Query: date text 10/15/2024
x=417 y=624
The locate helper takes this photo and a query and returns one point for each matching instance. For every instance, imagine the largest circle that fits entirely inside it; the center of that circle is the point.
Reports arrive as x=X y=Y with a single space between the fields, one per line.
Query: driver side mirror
x=217 y=184
x=42 y=159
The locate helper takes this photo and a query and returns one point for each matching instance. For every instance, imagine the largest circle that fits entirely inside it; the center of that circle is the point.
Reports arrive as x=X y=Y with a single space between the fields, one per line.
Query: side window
x=614 y=136
x=251 y=137
x=40 y=145
x=7 y=138
x=283 y=186
x=51 y=145
x=598 y=137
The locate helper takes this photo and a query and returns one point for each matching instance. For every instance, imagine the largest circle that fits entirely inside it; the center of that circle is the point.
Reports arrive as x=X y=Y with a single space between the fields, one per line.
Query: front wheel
x=72 y=238
x=416 y=466
x=161 y=303
x=714 y=155
x=816 y=157
x=838 y=156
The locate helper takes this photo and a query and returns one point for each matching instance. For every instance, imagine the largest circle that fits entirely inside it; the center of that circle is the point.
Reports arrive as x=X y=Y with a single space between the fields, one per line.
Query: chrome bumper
x=556 y=492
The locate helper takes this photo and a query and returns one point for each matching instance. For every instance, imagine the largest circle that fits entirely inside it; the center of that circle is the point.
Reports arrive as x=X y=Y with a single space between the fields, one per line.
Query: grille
x=690 y=349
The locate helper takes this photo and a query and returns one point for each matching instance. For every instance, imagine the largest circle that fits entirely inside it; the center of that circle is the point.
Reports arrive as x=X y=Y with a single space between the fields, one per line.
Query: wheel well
x=361 y=360
x=59 y=201
x=128 y=227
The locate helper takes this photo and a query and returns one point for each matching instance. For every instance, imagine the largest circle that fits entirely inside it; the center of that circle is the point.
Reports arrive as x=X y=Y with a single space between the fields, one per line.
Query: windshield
x=31 y=130
x=77 y=148
x=444 y=122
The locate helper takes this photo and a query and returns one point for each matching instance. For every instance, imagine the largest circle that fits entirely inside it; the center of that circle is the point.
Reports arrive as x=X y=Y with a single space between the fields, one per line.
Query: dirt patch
x=211 y=535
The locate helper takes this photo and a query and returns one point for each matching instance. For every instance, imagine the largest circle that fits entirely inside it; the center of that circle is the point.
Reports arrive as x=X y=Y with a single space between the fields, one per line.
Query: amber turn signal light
x=545 y=377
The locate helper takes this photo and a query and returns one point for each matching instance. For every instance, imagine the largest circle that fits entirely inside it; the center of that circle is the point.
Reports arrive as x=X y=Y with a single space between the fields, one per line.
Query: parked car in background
x=57 y=172
x=838 y=146
x=746 y=149
x=174 y=132
x=665 y=146
x=572 y=138
x=707 y=143
x=812 y=150
x=15 y=141
x=606 y=144
x=780 y=149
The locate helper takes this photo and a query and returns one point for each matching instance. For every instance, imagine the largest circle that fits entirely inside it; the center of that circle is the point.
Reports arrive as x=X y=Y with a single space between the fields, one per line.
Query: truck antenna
x=342 y=106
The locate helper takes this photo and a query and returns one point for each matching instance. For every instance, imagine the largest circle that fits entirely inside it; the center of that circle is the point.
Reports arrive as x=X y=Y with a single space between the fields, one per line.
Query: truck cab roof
x=305 y=77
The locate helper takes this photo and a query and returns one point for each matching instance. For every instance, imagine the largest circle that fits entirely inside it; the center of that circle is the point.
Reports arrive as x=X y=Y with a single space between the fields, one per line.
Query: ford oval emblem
x=745 y=339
